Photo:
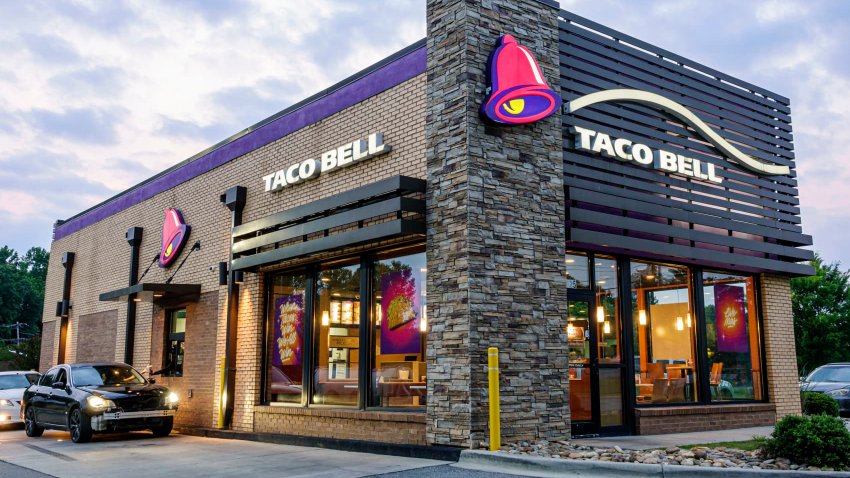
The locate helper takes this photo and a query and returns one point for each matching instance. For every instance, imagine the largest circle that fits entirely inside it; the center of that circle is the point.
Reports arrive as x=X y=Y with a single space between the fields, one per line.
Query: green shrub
x=818 y=440
x=815 y=403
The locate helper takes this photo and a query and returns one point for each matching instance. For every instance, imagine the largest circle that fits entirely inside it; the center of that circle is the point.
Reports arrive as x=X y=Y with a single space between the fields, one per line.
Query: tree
x=821 y=305
x=22 y=280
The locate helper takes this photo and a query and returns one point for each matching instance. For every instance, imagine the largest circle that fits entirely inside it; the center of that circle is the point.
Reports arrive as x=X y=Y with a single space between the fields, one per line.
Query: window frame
x=179 y=337
x=366 y=262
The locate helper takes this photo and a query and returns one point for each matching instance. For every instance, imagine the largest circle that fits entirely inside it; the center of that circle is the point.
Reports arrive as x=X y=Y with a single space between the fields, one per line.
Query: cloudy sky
x=96 y=96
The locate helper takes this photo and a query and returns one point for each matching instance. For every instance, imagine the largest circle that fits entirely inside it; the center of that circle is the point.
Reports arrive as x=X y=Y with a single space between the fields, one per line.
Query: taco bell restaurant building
x=620 y=221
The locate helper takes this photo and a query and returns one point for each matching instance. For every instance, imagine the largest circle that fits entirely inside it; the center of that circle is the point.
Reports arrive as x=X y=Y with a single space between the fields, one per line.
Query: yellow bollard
x=493 y=376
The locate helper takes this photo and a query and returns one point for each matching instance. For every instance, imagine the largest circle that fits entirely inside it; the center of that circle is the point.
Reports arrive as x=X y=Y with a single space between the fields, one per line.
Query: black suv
x=97 y=397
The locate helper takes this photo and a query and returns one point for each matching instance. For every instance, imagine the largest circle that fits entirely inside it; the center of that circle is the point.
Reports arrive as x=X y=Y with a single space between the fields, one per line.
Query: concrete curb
x=506 y=463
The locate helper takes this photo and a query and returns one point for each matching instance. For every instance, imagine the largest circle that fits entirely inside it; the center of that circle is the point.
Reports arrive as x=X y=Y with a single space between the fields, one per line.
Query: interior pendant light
x=642 y=317
x=606 y=327
x=689 y=320
x=326 y=318
x=600 y=314
x=680 y=324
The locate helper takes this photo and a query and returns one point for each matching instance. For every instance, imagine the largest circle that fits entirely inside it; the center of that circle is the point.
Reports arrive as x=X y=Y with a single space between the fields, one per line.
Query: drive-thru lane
x=140 y=454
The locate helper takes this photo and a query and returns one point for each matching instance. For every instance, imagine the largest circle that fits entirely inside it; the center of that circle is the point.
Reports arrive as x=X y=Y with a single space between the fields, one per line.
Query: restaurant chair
x=676 y=390
x=715 y=378
x=659 y=390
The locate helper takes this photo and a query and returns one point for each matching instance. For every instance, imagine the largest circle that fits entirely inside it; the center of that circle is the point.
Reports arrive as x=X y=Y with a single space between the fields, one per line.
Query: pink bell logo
x=175 y=232
x=518 y=93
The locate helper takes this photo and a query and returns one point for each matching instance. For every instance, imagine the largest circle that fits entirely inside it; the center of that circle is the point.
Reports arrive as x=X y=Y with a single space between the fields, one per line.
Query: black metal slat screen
x=747 y=221
x=390 y=208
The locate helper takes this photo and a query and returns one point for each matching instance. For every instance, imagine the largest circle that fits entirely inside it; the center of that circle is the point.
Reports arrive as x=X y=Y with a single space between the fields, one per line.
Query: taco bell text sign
x=517 y=91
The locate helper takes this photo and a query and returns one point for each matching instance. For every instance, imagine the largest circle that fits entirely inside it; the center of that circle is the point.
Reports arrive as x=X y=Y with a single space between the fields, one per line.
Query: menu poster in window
x=729 y=312
x=288 y=329
x=401 y=312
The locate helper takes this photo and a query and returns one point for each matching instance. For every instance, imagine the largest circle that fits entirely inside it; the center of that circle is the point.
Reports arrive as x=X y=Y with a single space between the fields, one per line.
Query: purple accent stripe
x=392 y=74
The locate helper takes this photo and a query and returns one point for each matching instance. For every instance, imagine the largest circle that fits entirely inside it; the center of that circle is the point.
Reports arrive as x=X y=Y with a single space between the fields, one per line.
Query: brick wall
x=102 y=252
x=97 y=337
x=779 y=346
x=199 y=364
x=654 y=421
x=48 y=331
x=496 y=271
x=386 y=427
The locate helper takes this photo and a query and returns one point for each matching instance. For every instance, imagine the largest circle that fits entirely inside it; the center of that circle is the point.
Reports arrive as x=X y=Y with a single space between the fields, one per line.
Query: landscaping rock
x=720 y=457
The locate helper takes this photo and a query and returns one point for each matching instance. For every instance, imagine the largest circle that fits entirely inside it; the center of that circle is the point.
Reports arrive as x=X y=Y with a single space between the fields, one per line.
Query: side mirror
x=152 y=380
x=59 y=385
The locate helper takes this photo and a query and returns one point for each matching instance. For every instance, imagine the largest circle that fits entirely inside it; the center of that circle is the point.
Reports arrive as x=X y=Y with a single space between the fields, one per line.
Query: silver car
x=12 y=386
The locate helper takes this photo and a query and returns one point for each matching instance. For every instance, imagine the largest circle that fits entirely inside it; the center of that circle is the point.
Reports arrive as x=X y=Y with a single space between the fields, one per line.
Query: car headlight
x=99 y=403
x=171 y=398
x=6 y=403
x=841 y=392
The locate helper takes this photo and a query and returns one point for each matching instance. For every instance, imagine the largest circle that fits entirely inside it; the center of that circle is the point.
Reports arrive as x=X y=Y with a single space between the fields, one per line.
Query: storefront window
x=732 y=336
x=578 y=271
x=288 y=302
x=400 y=321
x=664 y=334
x=337 y=325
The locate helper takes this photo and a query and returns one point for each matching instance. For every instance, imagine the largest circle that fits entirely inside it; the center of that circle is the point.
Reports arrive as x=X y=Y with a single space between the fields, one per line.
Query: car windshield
x=13 y=381
x=830 y=374
x=99 y=375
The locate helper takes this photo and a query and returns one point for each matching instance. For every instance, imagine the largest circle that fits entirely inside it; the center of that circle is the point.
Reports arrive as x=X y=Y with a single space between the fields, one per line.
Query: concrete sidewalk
x=647 y=442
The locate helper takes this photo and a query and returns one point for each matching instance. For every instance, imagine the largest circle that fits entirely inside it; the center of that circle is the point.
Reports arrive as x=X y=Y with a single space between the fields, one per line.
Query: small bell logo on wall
x=175 y=232
x=518 y=93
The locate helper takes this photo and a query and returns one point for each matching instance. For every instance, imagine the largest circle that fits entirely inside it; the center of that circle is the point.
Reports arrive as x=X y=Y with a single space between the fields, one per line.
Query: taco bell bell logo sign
x=518 y=93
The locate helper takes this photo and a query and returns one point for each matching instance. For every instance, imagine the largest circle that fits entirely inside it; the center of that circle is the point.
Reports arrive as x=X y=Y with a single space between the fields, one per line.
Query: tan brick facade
x=197 y=385
x=100 y=330
x=102 y=253
x=780 y=353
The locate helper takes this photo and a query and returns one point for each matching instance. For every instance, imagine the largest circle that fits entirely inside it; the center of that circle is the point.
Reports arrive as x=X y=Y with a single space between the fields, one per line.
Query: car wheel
x=164 y=429
x=30 y=425
x=80 y=426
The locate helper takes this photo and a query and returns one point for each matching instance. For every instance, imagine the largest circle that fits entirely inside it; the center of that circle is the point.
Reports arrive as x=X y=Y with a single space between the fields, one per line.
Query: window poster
x=729 y=311
x=401 y=304
x=289 y=329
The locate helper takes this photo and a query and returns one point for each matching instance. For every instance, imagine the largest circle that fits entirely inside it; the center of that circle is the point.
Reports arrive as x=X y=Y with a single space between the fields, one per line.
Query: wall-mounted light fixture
x=600 y=314
x=222 y=273
x=689 y=320
x=326 y=318
x=642 y=317
x=239 y=277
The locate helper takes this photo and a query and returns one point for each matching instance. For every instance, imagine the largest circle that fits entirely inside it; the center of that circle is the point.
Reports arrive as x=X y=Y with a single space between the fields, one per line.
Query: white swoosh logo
x=684 y=114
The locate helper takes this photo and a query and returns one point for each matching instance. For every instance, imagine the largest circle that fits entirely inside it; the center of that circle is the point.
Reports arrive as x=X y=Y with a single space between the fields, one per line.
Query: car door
x=56 y=402
x=39 y=396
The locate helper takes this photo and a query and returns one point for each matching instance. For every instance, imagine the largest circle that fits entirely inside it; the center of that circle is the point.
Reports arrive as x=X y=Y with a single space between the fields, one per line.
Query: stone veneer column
x=496 y=271
x=783 y=387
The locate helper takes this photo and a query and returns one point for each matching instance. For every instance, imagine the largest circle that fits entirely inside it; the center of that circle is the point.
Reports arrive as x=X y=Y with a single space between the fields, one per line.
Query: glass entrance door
x=582 y=366
x=594 y=339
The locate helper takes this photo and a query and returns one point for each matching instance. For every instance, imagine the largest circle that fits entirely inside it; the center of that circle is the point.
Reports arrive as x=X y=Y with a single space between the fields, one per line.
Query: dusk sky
x=96 y=96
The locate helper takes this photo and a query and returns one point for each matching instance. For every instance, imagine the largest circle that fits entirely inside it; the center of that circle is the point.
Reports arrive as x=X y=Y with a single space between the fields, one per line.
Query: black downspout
x=134 y=238
x=65 y=307
x=234 y=199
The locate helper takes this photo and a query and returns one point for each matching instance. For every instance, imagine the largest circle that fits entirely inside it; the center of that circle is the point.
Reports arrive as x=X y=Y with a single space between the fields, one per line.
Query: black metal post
x=234 y=199
x=65 y=309
x=134 y=238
